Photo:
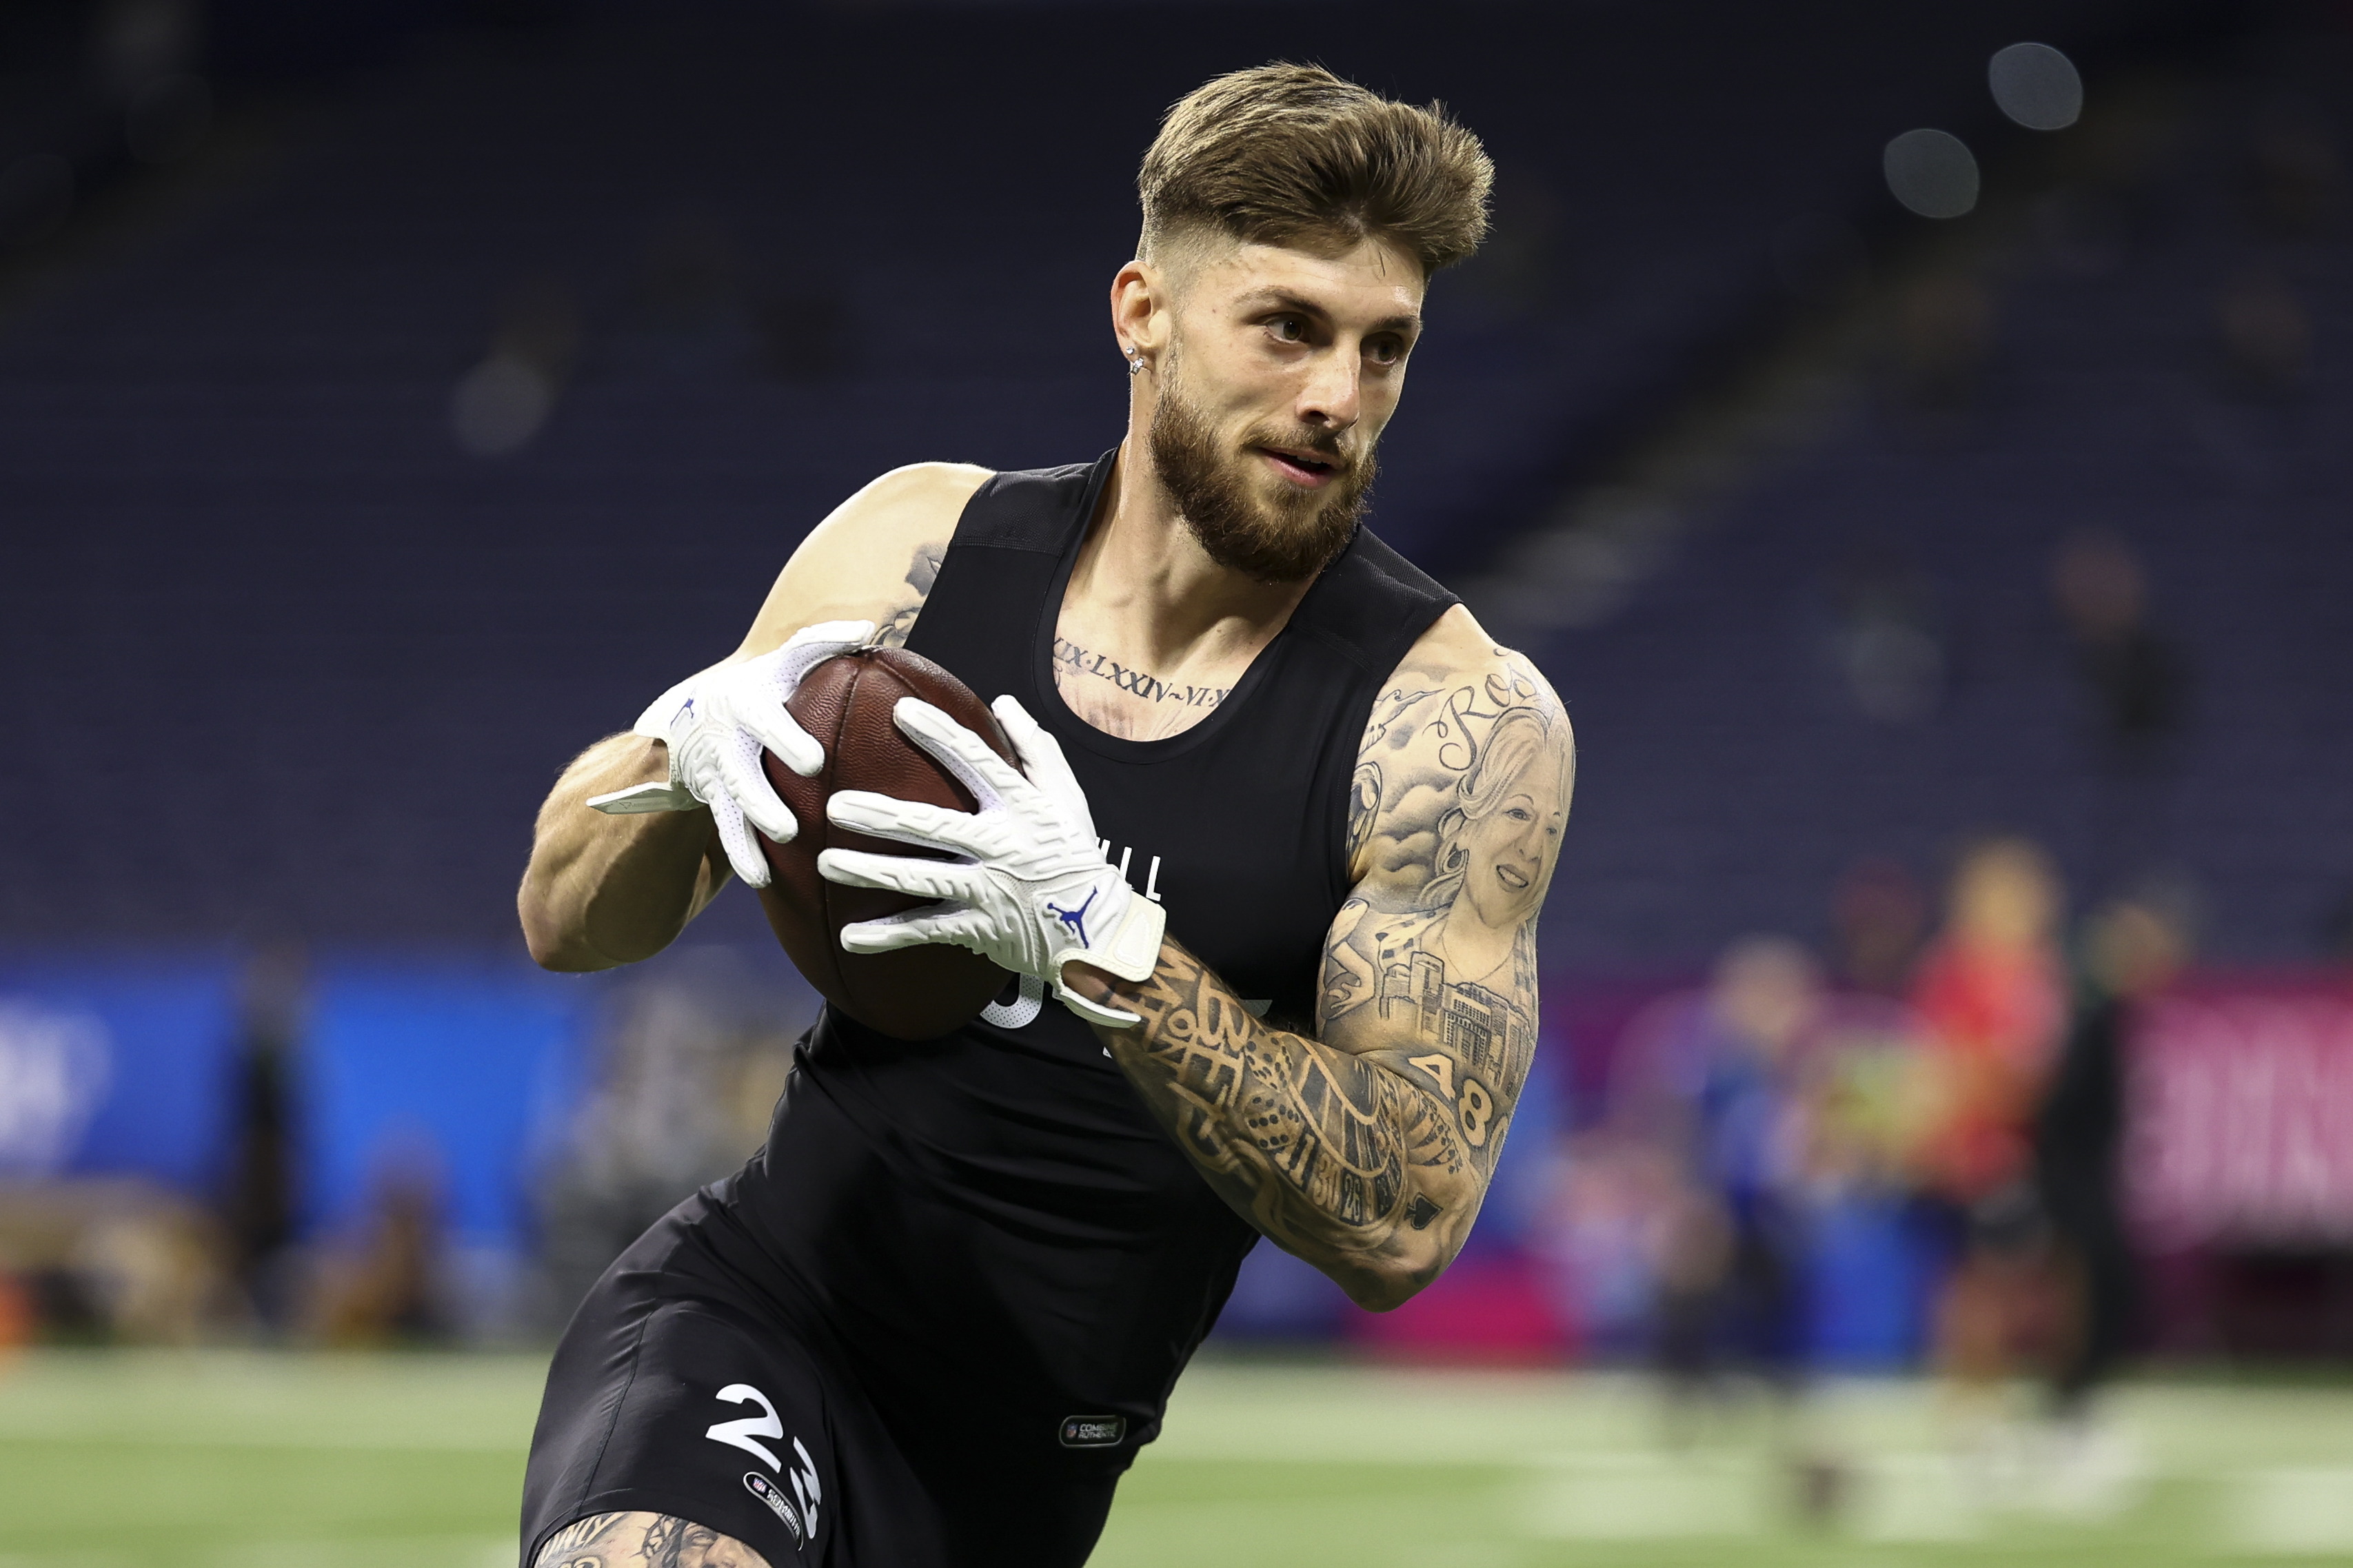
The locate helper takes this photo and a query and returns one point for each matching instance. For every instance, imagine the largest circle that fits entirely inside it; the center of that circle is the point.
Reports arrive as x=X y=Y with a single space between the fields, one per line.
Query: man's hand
x=1033 y=891
x=715 y=725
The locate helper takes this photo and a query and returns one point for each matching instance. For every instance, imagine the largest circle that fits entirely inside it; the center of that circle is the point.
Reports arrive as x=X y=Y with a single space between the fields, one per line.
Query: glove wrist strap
x=662 y=795
x=655 y=722
x=1133 y=949
x=1132 y=953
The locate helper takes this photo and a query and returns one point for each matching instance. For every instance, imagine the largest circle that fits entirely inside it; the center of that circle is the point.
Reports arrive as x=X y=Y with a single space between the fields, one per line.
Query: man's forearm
x=1329 y=1153
x=605 y=890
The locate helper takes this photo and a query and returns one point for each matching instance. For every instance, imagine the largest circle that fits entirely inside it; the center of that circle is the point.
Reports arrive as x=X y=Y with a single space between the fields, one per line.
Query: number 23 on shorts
x=745 y=1432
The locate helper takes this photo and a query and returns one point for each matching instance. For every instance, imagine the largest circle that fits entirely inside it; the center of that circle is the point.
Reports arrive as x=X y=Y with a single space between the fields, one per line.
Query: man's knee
x=643 y=1540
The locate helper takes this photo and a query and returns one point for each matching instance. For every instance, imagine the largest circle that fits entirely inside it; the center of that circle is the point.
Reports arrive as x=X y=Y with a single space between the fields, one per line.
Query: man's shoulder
x=872 y=558
x=924 y=489
x=909 y=507
x=1454 y=651
x=1456 y=702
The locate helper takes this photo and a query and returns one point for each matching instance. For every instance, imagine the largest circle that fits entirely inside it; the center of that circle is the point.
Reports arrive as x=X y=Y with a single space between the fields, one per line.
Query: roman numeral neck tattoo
x=1069 y=654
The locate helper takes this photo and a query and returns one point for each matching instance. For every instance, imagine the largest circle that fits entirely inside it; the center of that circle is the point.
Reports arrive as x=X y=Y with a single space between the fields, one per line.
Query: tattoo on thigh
x=655 y=1540
x=577 y=1543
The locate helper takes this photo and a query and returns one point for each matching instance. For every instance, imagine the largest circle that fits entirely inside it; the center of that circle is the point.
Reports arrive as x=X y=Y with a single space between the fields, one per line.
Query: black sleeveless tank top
x=988 y=1231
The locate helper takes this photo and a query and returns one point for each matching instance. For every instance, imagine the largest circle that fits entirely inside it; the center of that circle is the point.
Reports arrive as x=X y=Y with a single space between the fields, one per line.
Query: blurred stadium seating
x=1859 y=640
x=734 y=280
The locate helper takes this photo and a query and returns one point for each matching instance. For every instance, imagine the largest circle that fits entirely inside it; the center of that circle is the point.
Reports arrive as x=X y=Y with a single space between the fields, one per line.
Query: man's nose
x=1333 y=396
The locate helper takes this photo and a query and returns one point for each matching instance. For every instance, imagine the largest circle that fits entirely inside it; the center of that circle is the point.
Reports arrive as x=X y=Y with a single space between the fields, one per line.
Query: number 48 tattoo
x=1474 y=1105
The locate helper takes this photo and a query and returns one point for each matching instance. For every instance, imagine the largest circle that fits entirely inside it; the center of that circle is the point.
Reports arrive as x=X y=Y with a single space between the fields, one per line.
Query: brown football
x=845 y=703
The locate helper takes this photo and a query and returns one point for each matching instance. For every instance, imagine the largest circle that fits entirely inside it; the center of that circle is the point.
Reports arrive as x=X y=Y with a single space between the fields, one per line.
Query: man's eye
x=1290 y=329
x=1385 y=350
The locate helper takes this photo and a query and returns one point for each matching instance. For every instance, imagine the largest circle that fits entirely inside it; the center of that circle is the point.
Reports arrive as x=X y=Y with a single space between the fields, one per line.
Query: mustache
x=1327 y=445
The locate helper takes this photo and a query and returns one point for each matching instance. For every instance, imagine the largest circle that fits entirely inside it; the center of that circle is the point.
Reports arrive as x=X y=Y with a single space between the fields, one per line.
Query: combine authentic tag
x=1092 y=1431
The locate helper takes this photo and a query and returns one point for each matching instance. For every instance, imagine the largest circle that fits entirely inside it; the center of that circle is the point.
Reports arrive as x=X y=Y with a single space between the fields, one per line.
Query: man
x=1268 y=872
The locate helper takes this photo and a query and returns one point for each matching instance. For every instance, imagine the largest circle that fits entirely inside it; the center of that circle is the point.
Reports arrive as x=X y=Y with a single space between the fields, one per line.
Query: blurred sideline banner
x=2240 y=1121
x=444 y=1077
x=449 y=1076
x=445 y=1082
x=117 y=1065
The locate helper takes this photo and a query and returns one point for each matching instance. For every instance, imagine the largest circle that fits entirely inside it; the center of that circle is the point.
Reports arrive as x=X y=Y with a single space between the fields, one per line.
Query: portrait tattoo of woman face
x=1475 y=783
x=1494 y=844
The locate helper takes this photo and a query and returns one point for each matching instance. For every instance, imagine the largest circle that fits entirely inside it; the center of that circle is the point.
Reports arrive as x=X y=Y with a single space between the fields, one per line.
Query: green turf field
x=125 y=1461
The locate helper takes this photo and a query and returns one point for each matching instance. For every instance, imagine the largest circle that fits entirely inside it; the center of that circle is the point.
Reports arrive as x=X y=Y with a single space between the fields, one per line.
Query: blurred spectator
x=257 y=1199
x=1852 y=1130
x=384 y=1288
x=2138 y=685
x=1601 y=1236
x=152 y=1271
x=111 y=1261
x=1880 y=915
x=2132 y=949
x=1714 y=1081
x=2266 y=333
x=2131 y=668
x=1991 y=995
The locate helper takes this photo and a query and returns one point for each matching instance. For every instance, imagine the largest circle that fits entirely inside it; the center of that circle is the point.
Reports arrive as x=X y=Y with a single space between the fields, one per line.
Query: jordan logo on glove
x=1075 y=919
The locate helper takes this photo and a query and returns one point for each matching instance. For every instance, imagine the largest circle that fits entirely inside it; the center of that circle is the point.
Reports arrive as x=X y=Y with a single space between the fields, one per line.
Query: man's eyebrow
x=1406 y=321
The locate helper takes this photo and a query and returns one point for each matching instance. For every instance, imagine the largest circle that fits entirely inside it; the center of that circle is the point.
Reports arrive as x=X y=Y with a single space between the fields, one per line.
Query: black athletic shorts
x=678 y=1389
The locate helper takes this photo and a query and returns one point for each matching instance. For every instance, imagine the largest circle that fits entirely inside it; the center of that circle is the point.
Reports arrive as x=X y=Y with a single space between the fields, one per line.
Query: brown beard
x=1285 y=540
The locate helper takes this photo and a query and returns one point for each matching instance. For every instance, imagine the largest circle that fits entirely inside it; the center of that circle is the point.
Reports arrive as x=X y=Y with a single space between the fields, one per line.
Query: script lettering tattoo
x=1069 y=656
x=1343 y=1146
x=622 y=1540
x=899 y=620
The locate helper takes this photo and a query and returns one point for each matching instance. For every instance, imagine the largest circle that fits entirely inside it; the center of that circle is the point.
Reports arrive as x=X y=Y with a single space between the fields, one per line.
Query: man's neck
x=1141 y=568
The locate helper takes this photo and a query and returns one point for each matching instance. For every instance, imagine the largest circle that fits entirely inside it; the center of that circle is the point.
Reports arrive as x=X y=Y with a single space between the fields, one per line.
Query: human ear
x=1139 y=298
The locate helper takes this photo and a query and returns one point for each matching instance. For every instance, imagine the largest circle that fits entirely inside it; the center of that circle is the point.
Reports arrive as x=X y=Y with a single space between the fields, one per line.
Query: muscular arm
x=604 y=890
x=1367 y=1147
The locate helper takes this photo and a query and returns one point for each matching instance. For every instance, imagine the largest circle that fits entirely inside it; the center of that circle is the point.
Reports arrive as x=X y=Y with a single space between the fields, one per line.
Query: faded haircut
x=1284 y=154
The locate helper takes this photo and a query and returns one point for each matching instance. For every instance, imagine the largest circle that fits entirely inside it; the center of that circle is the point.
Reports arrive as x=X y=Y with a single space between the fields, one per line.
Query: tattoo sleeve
x=1367 y=1147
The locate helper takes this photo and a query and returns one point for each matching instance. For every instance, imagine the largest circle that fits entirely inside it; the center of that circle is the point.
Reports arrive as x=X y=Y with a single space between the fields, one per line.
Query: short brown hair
x=1282 y=152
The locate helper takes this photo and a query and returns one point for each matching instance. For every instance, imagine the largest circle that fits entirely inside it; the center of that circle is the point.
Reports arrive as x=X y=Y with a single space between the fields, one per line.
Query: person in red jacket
x=1993 y=993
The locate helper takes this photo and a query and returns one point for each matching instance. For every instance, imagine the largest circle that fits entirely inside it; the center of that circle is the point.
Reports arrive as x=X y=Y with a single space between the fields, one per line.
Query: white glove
x=1033 y=890
x=715 y=725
